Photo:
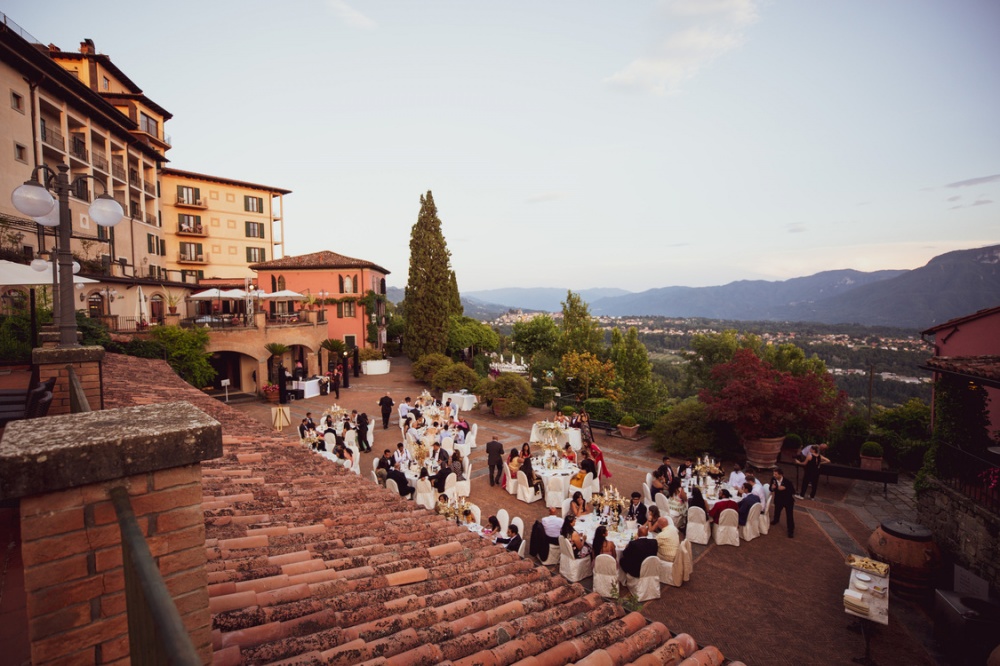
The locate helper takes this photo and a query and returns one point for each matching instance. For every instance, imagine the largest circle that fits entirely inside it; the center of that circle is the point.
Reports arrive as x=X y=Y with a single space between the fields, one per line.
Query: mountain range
x=948 y=286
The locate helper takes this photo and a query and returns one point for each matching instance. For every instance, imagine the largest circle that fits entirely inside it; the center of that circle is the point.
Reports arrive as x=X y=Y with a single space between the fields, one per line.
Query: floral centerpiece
x=613 y=501
x=550 y=432
x=270 y=388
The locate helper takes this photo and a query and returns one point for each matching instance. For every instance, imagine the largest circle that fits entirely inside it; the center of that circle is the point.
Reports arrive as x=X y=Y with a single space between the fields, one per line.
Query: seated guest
x=749 y=499
x=602 y=545
x=492 y=526
x=304 y=428
x=737 y=477
x=457 y=436
x=637 y=551
x=575 y=421
x=405 y=489
x=439 y=454
x=677 y=503
x=654 y=521
x=667 y=543
x=513 y=540
x=468 y=518
x=533 y=478
x=587 y=464
x=578 y=505
x=636 y=509
x=659 y=486
x=698 y=500
x=457 y=466
x=580 y=547
x=545 y=534
x=344 y=455
x=525 y=451
x=385 y=463
x=685 y=470
x=725 y=503
x=552 y=523
x=441 y=507
x=402 y=457
x=561 y=419
x=666 y=470
x=568 y=453
x=463 y=425
x=759 y=489
x=441 y=478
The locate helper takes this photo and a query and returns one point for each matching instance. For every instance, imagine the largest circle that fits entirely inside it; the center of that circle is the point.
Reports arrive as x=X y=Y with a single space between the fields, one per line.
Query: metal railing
x=968 y=474
x=149 y=188
x=78 y=148
x=53 y=138
x=156 y=632
x=128 y=324
x=218 y=321
x=118 y=171
x=100 y=161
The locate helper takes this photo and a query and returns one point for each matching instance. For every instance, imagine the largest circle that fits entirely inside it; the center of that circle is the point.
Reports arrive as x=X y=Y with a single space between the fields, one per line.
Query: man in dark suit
x=442 y=456
x=636 y=510
x=385 y=403
x=637 y=551
x=668 y=471
x=494 y=458
x=513 y=540
x=385 y=463
x=784 y=498
x=749 y=499
x=405 y=489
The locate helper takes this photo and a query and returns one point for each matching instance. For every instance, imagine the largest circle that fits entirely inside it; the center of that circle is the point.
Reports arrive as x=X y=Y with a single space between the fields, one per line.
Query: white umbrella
x=285 y=295
x=236 y=294
x=141 y=308
x=209 y=295
x=14 y=274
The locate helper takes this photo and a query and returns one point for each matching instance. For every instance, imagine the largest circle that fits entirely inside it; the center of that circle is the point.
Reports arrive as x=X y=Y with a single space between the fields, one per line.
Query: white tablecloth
x=878 y=605
x=564 y=473
x=464 y=401
x=565 y=435
x=310 y=387
x=587 y=525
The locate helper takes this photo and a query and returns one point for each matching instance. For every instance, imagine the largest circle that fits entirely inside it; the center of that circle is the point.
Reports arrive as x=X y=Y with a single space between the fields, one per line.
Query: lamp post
x=34 y=200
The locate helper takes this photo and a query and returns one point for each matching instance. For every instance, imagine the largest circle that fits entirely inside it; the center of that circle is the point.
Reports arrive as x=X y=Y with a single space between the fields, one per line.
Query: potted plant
x=871 y=456
x=173 y=300
x=372 y=361
x=510 y=394
x=270 y=392
x=627 y=426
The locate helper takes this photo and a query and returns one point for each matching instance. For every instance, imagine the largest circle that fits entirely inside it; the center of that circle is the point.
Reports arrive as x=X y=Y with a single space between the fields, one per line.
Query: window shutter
x=197 y=220
x=197 y=194
x=340 y=279
x=150 y=240
x=247 y=228
x=340 y=310
x=260 y=228
x=248 y=254
x=263 y=254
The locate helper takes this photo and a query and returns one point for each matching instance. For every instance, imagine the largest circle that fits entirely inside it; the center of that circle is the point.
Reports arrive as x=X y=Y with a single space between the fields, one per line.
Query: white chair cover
x=511 y=484
x=464 y=449
x=525 y=491
x=516 y=520
x=571 y=568
x=449 y=486
x=649 y=482
x=467 y=466
x=391 y=486
x=463 y=488
x=647 y=499
x=565 y=506
x=504 y=519
x=448 y=444
x=375 y=463
x=351 y=438
x=606 y=576
x=698 y=529
x=727 y=530
x=477 y=513
x=555 y=491
x=751 y=530
x=765 y=517
x=597 y=479
x=661 y=504
x=470 y=437
x=647 y=585
x=590 y=486
x=523 y=548
x=374 y=477
x=677 y=572
x=425 y=494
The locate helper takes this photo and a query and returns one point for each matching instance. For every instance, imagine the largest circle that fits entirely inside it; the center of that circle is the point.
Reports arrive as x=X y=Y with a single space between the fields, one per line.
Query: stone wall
x=968 y=533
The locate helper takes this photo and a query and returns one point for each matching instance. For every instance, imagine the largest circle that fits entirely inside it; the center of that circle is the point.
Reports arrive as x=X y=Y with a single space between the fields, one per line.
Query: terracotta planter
x=272 y=396
x=172 y=309
x=763 y=453
x=871 y=462
x=628 y=432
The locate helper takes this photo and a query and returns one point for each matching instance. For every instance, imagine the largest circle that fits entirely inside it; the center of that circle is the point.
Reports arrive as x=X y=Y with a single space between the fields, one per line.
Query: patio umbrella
x=285 y=295
x=235 y=294
x=208 y=295
x=14 y=274
x=141 y=307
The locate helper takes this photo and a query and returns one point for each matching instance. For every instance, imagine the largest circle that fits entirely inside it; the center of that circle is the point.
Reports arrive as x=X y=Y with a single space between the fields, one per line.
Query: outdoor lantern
x=32 y=199
x=105 y=211
x=39 y=264
x=50 y=219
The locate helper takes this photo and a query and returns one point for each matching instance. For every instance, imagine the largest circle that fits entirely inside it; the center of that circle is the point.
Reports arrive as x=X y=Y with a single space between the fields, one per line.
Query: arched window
x=274 y=284
x=340 y=281
x=381 y=286
x=95 y=305
x=156 y=307
x=348 y=285
x=281 y=283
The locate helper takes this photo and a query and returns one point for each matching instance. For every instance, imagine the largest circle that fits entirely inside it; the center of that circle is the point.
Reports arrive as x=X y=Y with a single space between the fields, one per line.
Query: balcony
x=118 y=171
x=133 y=178
x=191 y=230
x=80 y=190
x=149 y=188
x=151 y=220
x=100 y=161
x=191 y=258
x=54 y=138
x=78 y=148
x=183 y=202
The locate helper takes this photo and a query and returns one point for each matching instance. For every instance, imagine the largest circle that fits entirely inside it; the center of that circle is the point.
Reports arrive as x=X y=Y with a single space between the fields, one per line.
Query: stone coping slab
x=54 y=453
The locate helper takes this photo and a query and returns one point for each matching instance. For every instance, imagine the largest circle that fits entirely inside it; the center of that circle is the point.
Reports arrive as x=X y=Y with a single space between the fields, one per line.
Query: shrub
x=455 y=377
x=601 y=409
x=511 y=407
x=507 y=385
x=627 y=420
x=846 y=440
x=568 y=410
x=186 y=353
x=428 y=366
x=792 y=441
x=684 y=430
x=370 y=354
x=871 y=449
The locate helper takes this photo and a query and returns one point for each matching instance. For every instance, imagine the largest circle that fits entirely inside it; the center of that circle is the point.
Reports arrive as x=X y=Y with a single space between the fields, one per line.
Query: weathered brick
x=179 y=519
x=165 y=500
x=182 y=560
x=64 y=499
x=112 y=604
x=48 y=524
x=107 y=558
x=65 y=618
x=186 y=581
x=65 y=594
x=52 y=573
x=77 y=639
x=176 y=476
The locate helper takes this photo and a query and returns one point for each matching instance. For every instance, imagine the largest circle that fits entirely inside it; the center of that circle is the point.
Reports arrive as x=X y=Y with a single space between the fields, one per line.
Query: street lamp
x=34 y=200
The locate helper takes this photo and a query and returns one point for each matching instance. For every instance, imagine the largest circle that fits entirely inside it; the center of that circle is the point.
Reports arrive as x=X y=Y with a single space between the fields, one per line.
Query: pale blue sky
x=584 y=144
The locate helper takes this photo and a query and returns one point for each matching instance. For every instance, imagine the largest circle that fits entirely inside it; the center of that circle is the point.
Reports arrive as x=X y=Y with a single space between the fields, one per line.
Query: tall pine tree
x=431 y=289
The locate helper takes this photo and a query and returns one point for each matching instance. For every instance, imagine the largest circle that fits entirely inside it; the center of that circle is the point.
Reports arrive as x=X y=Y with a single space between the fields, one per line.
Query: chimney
x=87 y=47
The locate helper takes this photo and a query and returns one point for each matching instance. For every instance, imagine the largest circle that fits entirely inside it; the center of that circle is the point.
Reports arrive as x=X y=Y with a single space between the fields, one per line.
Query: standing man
x=335 y=382
x=784 y=498
x=814 y=459
x=282 y=384
x=386 y=403
x=494 y=453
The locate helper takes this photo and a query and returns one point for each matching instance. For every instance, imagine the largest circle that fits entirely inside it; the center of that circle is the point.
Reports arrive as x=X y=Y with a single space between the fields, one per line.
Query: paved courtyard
x=772 y=601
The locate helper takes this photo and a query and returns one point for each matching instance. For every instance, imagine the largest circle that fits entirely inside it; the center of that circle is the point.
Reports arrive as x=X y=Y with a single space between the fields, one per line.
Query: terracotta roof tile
x=986 y=367
x=317 y=260
x=299 y=572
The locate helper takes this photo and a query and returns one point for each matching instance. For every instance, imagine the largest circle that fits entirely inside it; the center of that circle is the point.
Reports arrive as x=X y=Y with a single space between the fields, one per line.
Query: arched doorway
x=95 y=305
x=156 y=308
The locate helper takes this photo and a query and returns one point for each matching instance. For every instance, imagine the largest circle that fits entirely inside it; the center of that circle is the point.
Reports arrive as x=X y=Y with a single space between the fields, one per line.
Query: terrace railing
x=970 y=475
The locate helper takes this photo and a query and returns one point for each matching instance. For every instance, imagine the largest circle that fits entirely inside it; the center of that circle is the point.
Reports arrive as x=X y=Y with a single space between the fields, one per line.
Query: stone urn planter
x=628 y=432
x=872 y=463
x=763 y=452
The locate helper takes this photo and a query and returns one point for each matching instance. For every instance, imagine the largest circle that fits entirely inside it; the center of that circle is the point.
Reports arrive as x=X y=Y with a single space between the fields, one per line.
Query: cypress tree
x=431 y=288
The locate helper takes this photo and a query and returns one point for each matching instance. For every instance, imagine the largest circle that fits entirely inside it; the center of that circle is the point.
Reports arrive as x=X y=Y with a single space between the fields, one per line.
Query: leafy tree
x=539 y=334
x=684 y=430
x=185 y=348
x=431 y=288
x=429 y=365
x=455 y=377
x=580 y=332
x=466 y=332
x=634 y=371
x=587 y=372
x=512 y=390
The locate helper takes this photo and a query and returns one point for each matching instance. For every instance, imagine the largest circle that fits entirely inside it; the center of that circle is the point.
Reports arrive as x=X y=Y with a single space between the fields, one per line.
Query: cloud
x=981 y=202
x=350 y=15
x=547 y=196
x=972 y=182
x=696 y=32
x=955 y=198
x=796 y=228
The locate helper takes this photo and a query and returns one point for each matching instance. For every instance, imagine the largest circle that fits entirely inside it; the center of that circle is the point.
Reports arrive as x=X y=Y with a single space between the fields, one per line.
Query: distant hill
x=473 y=307
x=543 y=299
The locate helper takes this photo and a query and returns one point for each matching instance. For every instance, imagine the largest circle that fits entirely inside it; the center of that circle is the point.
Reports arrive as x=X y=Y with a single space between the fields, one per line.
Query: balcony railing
x=191 y=229
x=80 y=191
x=118 y=171
x=151 y=219
x=190 y=258
x=149 y=188
x=100 y=161
x=78 y=148
x=185 y=202
x=53 y=138
x=970 y=475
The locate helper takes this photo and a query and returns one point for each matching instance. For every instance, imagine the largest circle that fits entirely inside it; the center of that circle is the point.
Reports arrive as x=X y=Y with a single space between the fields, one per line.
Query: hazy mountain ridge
x=544 y=299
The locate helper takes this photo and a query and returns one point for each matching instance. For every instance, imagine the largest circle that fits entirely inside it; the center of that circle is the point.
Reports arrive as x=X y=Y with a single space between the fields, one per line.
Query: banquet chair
x=375 y=478
x=677 y=572
x=751 y=530
x=727 y=531
x=428 y=441
x=464 y=449
x=449 y=486
x=688 y=559
x=606 y=576
x=425 y=495
x=597 y=479
x=765 y=517
x=572 y=569
x=517 y=520
x=511 y=484
x=391 y=486
x=565 y=506
x=523 y=548
x=698 y=529
x=662 y=505
x=448 y=444
x=351 y=438
x=590 y=487
x=463 y=488
x=526 y=492
x=467 y=465
x=375 y=463
x=356 y=464
x=646 y=497
x=477 y=513
x=647 y=585
x=555 y=491
x=649 y=482
x=470 y=438
x=504 y=519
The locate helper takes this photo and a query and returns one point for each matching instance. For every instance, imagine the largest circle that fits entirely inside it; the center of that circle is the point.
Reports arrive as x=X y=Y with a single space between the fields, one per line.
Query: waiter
x=385 y=403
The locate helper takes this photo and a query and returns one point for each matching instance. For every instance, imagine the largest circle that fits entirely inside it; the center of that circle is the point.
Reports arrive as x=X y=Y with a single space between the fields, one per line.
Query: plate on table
x=865 y=578
x=861 y=586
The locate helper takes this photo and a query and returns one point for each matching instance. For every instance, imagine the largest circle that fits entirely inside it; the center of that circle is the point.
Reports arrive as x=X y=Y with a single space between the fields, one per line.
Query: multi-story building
x=216 y=227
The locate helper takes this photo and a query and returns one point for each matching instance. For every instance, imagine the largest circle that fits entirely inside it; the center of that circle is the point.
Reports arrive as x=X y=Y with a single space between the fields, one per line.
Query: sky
x=581 y=144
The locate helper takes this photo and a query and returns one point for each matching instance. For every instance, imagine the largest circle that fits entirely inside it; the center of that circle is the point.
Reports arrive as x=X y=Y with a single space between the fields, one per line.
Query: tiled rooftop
x=323 y=259
x=987 y=367
x=309 y=563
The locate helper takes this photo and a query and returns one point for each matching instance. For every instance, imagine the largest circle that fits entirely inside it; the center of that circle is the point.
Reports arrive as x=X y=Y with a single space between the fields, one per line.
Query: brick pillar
x=86 y=362
x=71 y=542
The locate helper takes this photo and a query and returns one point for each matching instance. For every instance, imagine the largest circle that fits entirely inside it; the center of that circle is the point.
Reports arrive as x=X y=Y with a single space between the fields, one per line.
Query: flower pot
x=272 y=396
x=628 y=432
x=172 y=309
x=871 y=462
x=763 y=452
